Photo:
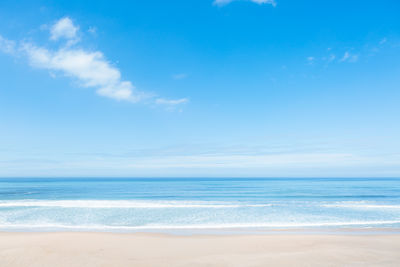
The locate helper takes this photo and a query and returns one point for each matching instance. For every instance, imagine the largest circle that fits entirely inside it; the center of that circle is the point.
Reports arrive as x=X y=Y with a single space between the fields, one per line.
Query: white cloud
x=89 y=68
x=64 y=28
x=225 y=2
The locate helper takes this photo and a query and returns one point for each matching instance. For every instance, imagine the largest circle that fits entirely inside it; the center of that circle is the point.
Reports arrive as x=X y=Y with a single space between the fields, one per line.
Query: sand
x=146 y=249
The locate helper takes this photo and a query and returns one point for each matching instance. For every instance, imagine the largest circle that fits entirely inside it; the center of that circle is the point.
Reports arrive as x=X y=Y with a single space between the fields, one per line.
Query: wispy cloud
x=310 y=60
x=7 y=46
x=92 y=30
x=349 y=57
x=163 y=101
x=171 y=104
x=352 y=54
x=311 y=158
x=179 y=76
x=333 y=58
x=285 y=164
x=225 y=2
x=384 y=40
x=90 y=69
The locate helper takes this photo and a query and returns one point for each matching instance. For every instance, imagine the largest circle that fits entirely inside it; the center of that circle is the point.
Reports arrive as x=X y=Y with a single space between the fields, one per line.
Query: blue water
x=151 y=204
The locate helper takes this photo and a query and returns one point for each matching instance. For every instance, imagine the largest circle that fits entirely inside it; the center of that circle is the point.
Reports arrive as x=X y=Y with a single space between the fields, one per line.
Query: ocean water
x=100 y=204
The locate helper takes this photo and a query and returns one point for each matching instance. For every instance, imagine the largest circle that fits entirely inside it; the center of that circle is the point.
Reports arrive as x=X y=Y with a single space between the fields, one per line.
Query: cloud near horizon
x=160 y=163
x=225 y=2
x=89 y=68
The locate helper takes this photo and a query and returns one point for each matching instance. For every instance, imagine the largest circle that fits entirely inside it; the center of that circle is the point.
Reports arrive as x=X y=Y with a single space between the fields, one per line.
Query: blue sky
x=200 y=88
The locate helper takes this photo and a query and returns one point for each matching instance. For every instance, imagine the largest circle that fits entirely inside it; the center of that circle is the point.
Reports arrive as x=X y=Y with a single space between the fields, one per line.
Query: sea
x=162 y=204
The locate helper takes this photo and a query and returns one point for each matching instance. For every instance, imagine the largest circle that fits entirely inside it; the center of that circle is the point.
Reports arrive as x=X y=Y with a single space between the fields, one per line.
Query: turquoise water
x=155 y=204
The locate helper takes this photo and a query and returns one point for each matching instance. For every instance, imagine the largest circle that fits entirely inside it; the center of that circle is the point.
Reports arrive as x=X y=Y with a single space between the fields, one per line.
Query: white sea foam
x=125 y=204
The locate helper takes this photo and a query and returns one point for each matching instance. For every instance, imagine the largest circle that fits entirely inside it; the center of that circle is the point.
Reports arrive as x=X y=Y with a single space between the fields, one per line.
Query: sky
x=210 y=88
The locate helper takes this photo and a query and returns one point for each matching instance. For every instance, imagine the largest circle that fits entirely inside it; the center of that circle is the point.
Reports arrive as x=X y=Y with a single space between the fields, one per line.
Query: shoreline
x=225 y=231
x=155 y=249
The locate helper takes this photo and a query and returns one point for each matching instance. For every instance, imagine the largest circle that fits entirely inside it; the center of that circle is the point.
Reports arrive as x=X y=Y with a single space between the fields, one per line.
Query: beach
x=199 y=222
x=151 y=249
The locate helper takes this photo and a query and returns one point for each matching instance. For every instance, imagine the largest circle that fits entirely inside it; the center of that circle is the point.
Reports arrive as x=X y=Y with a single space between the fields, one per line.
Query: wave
x=125 y=204
x=360 y=206
x=194 y=227
x=122 y=204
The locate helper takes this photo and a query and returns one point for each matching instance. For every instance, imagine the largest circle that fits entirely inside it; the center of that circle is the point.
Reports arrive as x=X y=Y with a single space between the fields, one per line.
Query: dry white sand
x=109 y=249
